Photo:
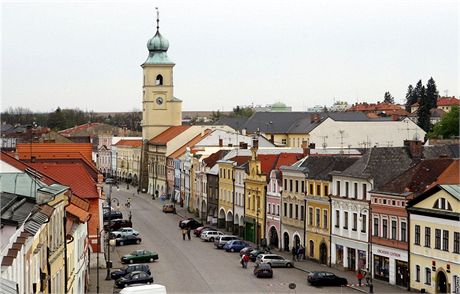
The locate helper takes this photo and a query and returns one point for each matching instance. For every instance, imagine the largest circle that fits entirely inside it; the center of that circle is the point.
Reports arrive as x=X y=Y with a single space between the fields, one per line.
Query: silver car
x=220 y=241
x=274 y=260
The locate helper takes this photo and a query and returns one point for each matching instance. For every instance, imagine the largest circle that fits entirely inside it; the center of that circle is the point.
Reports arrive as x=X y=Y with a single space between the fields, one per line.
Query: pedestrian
x=188 y=232
x=360 y=276
x=293 y=251
x=302 y=252
x=297 y=252
x=245 y=260
x=184 y=232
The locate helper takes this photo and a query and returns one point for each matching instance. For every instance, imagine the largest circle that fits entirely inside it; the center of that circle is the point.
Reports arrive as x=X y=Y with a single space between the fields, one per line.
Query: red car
x=201 y=229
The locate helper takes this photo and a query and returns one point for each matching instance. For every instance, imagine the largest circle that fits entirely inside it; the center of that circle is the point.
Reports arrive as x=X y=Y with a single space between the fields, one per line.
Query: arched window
x=442 y=203
x=159 y=80
x=312 y=248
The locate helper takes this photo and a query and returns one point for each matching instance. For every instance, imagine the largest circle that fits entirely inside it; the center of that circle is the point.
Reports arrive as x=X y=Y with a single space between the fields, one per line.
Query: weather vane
x=158 y=18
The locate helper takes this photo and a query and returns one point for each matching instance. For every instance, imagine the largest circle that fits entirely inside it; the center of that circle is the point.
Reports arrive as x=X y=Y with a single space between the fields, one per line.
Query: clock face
x=159 y=100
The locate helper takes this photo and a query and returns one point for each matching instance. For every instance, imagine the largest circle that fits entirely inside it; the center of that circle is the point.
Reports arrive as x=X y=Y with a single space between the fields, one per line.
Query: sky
x=87 y=54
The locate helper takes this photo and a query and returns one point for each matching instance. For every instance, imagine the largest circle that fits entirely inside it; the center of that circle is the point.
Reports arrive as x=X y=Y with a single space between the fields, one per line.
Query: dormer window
x=442 y=203
x=159 y=80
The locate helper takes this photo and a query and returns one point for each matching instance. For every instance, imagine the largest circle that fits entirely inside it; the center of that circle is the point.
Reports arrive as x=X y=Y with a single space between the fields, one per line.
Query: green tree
x=432 y=93
x=448 y=126
x=423 y=111
x=242 y=111
x=387 y=98
x=56 y=120
x=410 y=98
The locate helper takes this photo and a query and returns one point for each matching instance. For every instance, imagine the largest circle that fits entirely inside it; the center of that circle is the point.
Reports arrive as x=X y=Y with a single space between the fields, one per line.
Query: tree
x=242 y=111
x=448 y=126
x=410 y=98
x=432 y=93
x=423 y=111
x=387 y=98
x=56 y=120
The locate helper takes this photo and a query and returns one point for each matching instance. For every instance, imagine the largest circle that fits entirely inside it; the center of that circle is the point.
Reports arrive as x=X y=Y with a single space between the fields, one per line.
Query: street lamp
x=257 y=225
x=369 y=246
x=109 y=200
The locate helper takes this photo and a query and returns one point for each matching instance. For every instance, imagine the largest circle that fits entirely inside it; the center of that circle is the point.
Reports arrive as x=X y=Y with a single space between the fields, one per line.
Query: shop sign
x=388 y=253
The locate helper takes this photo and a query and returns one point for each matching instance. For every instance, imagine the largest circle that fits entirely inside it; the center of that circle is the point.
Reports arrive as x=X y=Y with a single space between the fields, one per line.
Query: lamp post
x=369 y=246
x=257 y=225
x=109 y=199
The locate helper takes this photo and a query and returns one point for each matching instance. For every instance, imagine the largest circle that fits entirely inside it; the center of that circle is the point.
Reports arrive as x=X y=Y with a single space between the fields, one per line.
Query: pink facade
x=273 y=210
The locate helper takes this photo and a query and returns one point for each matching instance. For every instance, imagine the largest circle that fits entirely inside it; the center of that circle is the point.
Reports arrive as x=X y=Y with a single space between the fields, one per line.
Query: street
x=196 y=266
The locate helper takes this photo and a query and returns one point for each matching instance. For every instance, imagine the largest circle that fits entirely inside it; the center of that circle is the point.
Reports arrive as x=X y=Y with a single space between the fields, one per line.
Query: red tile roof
x=240 y=159
x=77 y=128
x=270 y=162
x=211 y=160
x=451 y=174
x=131 y=143
x=168 y=135
x=448 y=101
x=73 y=175
x=83 y=216
x=190 y=144
x=288 y=159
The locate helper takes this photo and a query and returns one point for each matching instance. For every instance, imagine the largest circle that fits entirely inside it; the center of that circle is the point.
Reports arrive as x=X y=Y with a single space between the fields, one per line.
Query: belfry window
x=159 y=80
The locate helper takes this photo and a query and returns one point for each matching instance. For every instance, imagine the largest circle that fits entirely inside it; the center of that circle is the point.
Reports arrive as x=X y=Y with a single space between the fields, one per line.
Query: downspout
x=408 y=247
x=233 y=196
x=330 y=230
x=304 y=225
x=281 y=241
x=66 y=270
x=244 y=211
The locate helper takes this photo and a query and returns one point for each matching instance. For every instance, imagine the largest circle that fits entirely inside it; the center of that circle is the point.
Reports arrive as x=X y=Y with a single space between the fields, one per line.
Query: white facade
x=240 y=176
x=362 y=134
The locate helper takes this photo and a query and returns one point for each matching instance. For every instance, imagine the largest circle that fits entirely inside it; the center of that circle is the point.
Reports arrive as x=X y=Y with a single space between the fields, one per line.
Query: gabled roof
x=270 y=162
x=451 y=174
x=26 y=168
x=211 y=160
x=73 y=175
x=179 y=152
x=129 y=143
x=167 y=135
x=448 y=101
x=417 y=179
x=453 y=190
x=240 y=159
x=320 y=167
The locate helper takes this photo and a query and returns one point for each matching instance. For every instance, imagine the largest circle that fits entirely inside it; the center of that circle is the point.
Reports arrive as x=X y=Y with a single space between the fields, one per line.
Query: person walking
x=360 y=276
x=293 y=251
x=188 y=232
x=184 y=232
x=245 y=260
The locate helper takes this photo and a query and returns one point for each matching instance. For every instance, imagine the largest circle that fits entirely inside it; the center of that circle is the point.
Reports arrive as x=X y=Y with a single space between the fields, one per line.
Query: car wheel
x=118 y=236
x=151 y=259
x=232 y=250
x=270 y=264
x=125 y=285
x=211 y=239
x=288 y=264
x=138 y=241
x=148 y=283
x=131 y=261
x=121 y=243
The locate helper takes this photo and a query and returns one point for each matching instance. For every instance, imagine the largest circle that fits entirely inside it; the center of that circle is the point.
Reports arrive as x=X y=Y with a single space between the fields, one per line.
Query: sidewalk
x=308 y=266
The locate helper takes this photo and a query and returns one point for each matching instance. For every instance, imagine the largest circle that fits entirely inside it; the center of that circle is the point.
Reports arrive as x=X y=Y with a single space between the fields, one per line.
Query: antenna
x=324 y=141
x=416 y=136
x=342 y=135
x=446 y=93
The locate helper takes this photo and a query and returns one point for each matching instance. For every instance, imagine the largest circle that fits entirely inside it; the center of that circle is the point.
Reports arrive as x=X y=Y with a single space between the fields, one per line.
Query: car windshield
x=264 y=266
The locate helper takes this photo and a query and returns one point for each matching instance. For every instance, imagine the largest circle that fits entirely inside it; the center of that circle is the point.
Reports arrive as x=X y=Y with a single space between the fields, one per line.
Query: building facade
x=273 y=218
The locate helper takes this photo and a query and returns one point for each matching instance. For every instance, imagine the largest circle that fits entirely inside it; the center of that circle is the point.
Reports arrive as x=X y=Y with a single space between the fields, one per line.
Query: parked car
x=220 y=241
x=139 y=256
x=125 y=232
x=129 y=269
x=274 y=260
x=201 y=229
x=169 y=208
x=128 y=239
x=254 y=253
x=144 y=289
x=137 y=277
x=235 y=245
x=118 y=224
x=190 y=223
x=210 y=235
x=325 y=279
x=114 y=214
x=263 y=270
x=246 y=250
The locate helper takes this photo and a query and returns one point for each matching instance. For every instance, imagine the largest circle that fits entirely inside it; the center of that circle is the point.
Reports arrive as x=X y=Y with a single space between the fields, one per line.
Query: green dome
x=158 y=43
x=279 y=105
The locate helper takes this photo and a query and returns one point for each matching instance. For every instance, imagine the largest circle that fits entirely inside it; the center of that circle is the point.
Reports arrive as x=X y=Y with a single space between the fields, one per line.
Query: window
x=269 y=208
x=325 y=218
x=355 y=221
x=338 y=188
x=345 y=225
x=445 y=240
x=159 y=80
x=337 y=218
x=303 y=187
x=355 y=190
x=427 y=276
x=376 y=227
x=302 y=212
x=385 y=228
x=318 y=190
x=326 y=190
x=417 y=235
x=290 y=185
x=290 y=210
x=417 y=273
x=297 y=186
x=297 y=211
x=427 y=237
x=311 y=190
x=403 y=231
x=456 y=242
x=437 y=240
x=318 y=217
x=347 y=184
x=283 y=141
x=285 y=209
x=364 y=223
x=285 y=184
x=310 y=216
x=364 y=191
x=394 y=236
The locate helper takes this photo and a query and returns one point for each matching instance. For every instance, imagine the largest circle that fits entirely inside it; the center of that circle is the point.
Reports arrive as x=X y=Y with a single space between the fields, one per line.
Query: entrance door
x=351 y=259
x=441 y=283
x=323 y=253
x=273 y=238
x=402 y=273
x=286 y=241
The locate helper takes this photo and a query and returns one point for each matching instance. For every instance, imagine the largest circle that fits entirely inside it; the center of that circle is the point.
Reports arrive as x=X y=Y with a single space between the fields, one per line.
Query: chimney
x=221 y=142
x=305 y=149
x=255 y=142
x=312 y=146
x=244 y=145
x=415 y=148
x=272 y=138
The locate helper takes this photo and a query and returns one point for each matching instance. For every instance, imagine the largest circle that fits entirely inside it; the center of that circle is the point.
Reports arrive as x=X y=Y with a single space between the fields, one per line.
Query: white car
x=210 y=235
x=125 y=232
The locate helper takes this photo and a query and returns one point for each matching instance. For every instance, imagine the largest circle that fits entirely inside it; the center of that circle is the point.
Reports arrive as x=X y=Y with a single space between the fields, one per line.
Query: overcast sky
x=87 y=54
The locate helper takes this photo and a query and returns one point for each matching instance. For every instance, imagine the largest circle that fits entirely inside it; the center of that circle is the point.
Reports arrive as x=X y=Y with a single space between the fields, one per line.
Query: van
x=145 y=289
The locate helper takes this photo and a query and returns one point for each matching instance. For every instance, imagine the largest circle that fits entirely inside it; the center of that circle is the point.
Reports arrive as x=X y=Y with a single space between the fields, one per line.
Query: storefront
x=390 y=265
x=382 y=268
x=339 y=255
x=402 y=273
x=362 y=259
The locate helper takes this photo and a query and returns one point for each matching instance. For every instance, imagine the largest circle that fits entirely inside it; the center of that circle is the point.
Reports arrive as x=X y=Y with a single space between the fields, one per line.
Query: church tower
x=160 y=109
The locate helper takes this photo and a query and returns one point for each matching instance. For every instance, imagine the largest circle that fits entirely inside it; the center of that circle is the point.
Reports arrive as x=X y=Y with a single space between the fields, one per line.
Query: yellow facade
x=290 y=140
x=255 y=187
x=318 y=228
x=439 y=260
x=128 y=162
x=226 y=193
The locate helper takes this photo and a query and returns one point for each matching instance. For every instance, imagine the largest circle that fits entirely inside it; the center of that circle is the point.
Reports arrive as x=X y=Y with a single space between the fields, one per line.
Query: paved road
x=196 y=266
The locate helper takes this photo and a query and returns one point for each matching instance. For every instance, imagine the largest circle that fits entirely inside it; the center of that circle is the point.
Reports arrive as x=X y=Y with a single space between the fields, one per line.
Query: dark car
x=114 y=214
x=128 y=239
x=118 y=224
x=190 y=223
x=201 y=229
x=235 y=245
x=139 y=256
x=263 y=270
x=254 y=253
x=246 y=250
x=137 y=277
x=325 y=279
x=169 y=208
x=129 y=269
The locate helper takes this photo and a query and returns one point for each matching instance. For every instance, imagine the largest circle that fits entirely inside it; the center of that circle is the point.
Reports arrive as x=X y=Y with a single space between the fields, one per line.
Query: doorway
x=441 y=282
x=351 y=259
x=323 y=253
x=286 y=241
x=402 y=273
x=273 y=238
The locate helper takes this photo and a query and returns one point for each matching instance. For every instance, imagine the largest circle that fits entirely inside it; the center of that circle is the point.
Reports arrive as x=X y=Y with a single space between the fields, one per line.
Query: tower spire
x=158 y=18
